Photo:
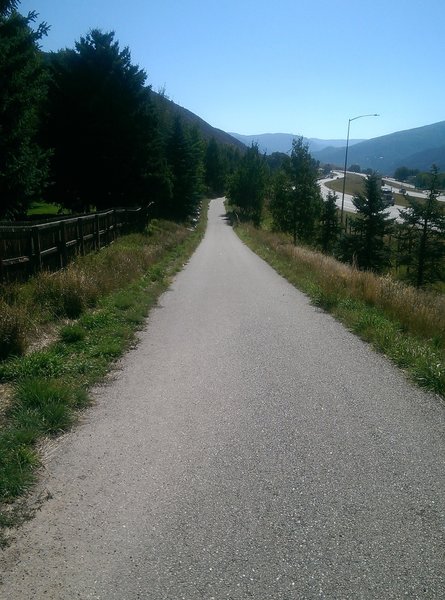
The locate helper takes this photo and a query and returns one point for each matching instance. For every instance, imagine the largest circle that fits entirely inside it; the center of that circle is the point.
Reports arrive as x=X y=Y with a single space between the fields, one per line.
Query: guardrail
x=26 y=249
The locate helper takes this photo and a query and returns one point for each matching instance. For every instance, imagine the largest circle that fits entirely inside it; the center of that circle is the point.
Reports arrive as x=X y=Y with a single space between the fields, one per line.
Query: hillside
x=415 y=148
x=423 y=160
x=206 y=130
x=282 y=142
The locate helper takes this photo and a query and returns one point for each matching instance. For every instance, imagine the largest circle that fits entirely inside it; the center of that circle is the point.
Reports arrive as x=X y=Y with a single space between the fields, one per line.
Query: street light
x=346 y=159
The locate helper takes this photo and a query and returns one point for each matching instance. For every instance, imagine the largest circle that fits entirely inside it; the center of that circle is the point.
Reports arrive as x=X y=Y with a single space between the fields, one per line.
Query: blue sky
x=293 y=66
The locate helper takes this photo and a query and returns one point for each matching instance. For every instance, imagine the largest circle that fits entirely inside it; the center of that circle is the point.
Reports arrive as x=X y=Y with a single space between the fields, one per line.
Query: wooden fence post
x=80 y=239
x=114 y=223
x=108 y=228
x=63 y=249
x=37 y=256
x=97 y=231
x=2 y=270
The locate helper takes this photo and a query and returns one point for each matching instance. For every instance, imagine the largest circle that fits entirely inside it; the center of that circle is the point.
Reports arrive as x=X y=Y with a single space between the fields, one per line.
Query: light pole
x=346 y=159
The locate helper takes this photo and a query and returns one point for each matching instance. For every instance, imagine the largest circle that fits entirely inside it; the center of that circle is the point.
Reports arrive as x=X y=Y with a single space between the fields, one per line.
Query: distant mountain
x=206 y=130
x=423 y=160
x=282 y=142
x=415 y=148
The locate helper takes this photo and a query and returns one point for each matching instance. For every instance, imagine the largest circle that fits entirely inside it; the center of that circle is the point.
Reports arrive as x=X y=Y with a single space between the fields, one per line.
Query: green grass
x=51 y=384
x=406 y=324
x=354 y=184
x=43 y=208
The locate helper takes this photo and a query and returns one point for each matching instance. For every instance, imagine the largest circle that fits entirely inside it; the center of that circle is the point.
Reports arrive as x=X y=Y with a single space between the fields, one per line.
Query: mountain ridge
x=207 y=131
x=282 y=142
x=416 y=148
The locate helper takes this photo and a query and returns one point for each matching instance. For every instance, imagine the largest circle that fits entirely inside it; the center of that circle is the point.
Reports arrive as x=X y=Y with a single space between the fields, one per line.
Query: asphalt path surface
x=248 y=447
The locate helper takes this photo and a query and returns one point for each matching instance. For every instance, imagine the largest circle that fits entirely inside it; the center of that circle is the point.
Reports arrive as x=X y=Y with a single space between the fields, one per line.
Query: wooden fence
x=26 y=249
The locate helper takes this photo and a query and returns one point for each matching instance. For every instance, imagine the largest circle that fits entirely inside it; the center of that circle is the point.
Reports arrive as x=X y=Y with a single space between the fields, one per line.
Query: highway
x=247 y=447
x=394 y=211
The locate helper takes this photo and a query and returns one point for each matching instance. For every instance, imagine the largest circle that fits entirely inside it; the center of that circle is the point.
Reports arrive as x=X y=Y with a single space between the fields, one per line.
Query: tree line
x=82 y=129
x=283 y=192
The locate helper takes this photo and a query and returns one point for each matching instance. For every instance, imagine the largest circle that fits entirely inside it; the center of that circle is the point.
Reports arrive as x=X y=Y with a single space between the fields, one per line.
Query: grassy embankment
x=406 y=324
x=61 y=332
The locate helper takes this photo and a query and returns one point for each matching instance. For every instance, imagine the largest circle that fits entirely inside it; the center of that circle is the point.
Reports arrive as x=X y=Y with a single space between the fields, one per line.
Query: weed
x=70 y=334
x=17 y=463
x=44 y=363
x=46 y=404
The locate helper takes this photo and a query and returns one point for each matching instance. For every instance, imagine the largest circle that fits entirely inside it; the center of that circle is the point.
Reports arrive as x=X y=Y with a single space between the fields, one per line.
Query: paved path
x=249 y=447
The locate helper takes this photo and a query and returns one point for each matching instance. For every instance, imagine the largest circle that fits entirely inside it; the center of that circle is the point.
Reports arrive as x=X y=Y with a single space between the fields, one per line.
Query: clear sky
x=277 y=66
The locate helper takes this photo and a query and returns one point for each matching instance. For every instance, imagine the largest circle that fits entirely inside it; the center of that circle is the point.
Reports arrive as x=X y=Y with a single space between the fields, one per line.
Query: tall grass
x=68 y=293
x=13 y=329
x=404 y=322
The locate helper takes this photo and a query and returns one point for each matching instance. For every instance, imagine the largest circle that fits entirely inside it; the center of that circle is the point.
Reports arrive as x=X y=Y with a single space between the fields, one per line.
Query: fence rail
x=27 y=249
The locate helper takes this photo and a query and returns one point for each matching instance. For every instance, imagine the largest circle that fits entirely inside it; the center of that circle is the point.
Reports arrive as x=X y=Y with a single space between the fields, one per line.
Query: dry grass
x=419 y=312
x=27 y=310
x=406 y=324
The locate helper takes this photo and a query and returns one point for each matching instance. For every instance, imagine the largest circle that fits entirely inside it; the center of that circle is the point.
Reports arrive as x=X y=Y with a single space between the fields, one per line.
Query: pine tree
x=247 y=186
x=329 y=224
x=424 y=225
x=214 y=168
x=23 y=163
x=103 y=127
x=184 y=155
x=366 y=245
x=296 y=203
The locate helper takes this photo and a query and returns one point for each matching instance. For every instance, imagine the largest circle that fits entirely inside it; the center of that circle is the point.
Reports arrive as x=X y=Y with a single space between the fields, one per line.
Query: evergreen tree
x=424 y=225
x=184 y=155
x=329 y=224
x=366 y=245
x=296 y=202
x=247 y=186
x=23 y=164
x=103 y=128
x=214 y=168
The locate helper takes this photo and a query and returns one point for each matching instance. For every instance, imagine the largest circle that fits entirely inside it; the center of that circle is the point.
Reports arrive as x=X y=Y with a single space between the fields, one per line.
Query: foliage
x=214 y=168
x=248 y=185
x=277 y=161
x=23 y=167
x=184 y=156
x=329 y=224
x=423 y=236
x=103 y=128
x=296 y=202
x=402 y=173
x=423 y=180
x=366 y=244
